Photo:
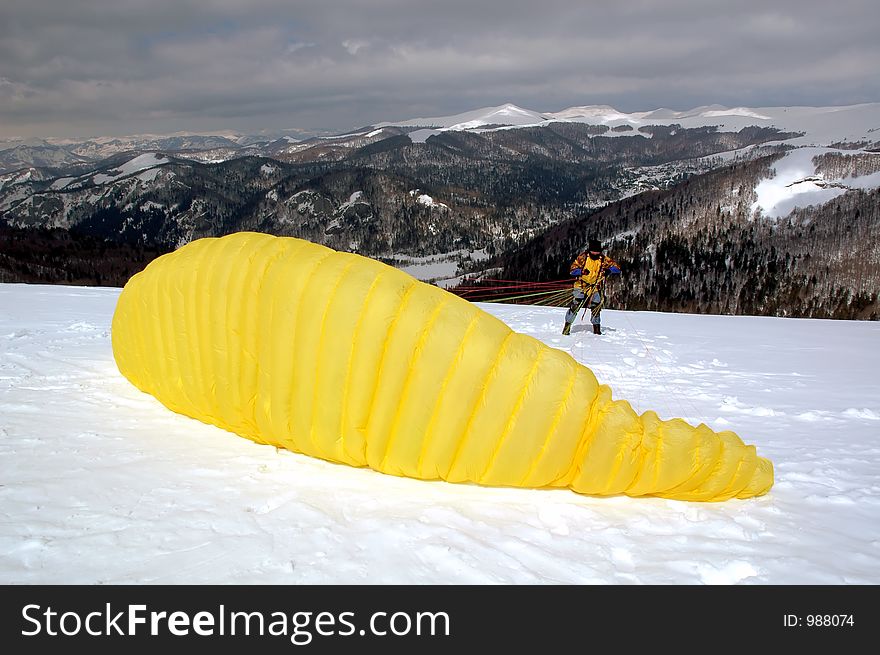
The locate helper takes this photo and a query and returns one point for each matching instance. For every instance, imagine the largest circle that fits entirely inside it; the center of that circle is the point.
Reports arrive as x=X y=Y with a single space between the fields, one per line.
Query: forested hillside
x=698 y=247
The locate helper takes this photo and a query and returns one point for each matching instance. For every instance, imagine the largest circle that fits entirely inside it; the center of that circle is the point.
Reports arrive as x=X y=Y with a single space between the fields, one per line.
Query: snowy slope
x=99 y=483
x=139 y=163
x=796 y=183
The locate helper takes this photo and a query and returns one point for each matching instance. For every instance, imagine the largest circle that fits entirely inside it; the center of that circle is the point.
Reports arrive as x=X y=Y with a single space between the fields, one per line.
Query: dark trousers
x=595 y=304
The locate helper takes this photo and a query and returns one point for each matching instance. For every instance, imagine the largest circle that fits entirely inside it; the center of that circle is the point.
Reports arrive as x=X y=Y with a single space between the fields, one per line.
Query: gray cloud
x=121 y=66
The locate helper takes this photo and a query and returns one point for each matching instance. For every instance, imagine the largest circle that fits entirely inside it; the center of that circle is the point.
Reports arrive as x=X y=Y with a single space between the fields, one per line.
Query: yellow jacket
x=592 y=272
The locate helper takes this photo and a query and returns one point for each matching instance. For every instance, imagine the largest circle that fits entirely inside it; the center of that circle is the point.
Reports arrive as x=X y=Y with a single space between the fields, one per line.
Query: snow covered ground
x=99 y=483
x=797 y=184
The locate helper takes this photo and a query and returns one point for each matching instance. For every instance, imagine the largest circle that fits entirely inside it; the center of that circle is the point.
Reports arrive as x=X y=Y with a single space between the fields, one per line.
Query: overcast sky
x=113 y=67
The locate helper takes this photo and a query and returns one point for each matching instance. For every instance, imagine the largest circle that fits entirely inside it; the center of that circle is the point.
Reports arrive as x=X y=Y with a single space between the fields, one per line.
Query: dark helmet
x=594 y=246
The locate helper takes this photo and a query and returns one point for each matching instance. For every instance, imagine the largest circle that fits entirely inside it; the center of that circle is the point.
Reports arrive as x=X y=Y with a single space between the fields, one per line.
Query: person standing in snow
x=590 y=268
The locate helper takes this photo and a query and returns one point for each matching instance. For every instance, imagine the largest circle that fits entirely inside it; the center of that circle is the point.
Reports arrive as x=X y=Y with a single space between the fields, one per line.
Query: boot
x=597 y=329
x=566 y=329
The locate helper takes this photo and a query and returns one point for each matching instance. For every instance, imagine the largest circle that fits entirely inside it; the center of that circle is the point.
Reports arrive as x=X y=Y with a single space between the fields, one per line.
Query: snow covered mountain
x=849 y=126
x=498 y=177
x=507 y=114
x=44 y=155
x=104 y=485
x=61 y=153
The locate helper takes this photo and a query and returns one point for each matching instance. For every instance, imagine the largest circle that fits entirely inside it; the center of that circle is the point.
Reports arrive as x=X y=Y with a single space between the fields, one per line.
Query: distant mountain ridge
x=469 y=191
x=857 y=125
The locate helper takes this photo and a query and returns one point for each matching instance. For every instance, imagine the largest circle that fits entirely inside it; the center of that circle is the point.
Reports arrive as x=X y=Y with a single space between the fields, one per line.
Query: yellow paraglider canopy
x=341 y=357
